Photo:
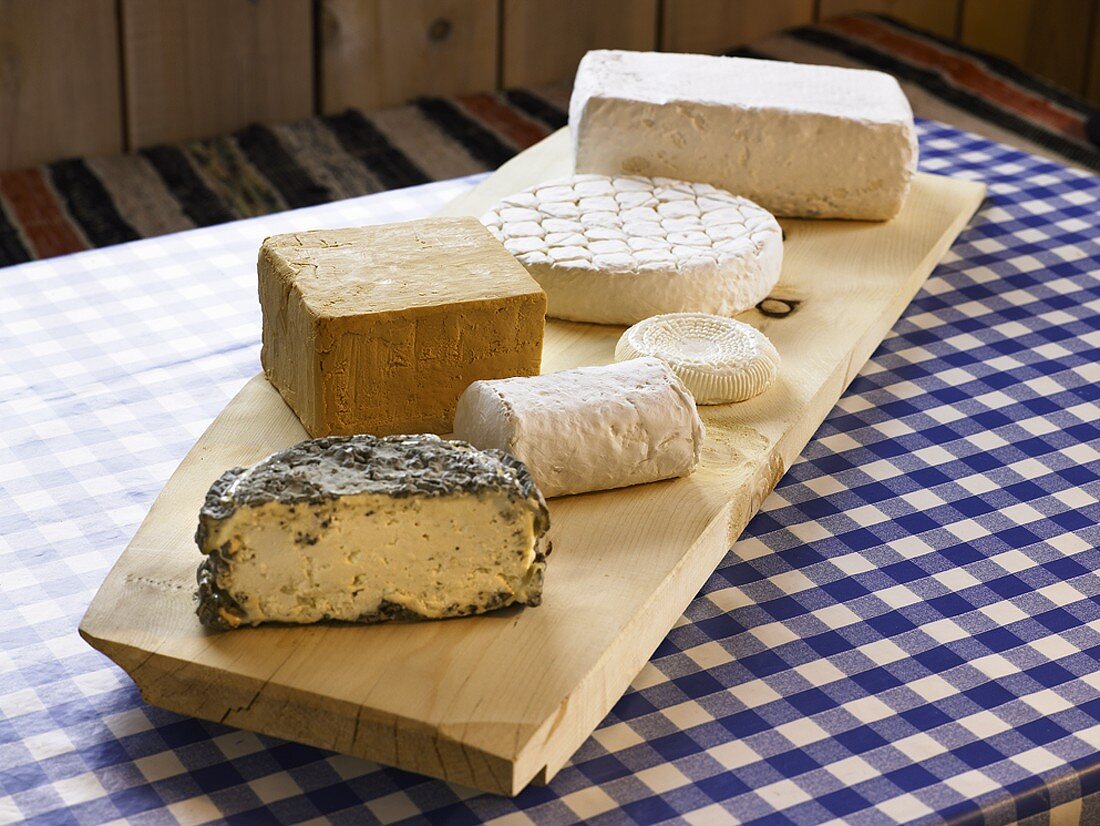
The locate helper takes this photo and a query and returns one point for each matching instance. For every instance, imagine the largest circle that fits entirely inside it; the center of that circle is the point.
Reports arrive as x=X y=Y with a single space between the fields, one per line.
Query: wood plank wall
x=103 y=76
x=200 y=67
x=544 y=40
x=381 y=53
x=60 y=90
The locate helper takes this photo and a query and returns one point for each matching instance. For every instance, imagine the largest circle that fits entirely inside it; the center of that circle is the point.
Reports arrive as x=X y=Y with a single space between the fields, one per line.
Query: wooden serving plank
x=497 y=701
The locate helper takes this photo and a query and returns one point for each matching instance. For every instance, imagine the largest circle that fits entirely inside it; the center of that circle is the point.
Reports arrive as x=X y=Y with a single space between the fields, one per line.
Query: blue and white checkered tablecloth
x=908 y=631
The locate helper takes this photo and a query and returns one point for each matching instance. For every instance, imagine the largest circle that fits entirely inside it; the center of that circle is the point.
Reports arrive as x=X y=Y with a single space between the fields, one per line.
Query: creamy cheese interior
x=342 y=559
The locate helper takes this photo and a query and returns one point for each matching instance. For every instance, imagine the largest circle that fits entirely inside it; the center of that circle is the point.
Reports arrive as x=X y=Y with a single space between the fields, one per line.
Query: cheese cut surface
x=615 y=250
x=380 y=329
x=364 y=529
x=718 y=359
x=802 y=141
x=591 y=428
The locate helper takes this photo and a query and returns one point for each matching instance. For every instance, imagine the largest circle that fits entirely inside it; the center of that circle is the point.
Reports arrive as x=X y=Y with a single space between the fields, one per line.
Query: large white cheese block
x=802 y=141
x=615 y=250
x=590 y=428
x=365 y=529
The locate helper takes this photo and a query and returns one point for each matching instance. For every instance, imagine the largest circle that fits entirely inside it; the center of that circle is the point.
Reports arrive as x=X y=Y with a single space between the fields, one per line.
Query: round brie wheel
x=719 y=360
x=615 y=250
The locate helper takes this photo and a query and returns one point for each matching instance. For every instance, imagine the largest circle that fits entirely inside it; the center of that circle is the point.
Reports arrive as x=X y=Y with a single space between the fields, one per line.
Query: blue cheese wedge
x=366 y=529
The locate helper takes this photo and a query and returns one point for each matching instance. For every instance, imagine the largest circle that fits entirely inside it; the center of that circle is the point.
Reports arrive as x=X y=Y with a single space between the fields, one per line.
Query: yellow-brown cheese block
x=379 y=329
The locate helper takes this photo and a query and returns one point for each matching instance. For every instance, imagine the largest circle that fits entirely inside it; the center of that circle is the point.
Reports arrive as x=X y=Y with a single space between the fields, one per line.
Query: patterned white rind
x=719 y=360
x=615 y=250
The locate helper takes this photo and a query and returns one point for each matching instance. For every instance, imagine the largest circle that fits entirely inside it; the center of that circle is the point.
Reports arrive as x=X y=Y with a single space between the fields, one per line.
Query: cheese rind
x=801 y=141
x=591 y=428
x=380 y=329
x=720 y=360
x=615 y=250
x=366 y=530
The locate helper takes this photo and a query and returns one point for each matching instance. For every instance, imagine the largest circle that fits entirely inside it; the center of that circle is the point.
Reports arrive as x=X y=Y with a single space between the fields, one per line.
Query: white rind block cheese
x=591 y=428
x=801 y=141
x=364 y=529
x=615 y=250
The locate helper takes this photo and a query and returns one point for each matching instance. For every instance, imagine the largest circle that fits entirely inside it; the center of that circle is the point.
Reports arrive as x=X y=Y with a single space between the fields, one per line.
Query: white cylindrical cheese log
x=591 y=428
x=802 y=141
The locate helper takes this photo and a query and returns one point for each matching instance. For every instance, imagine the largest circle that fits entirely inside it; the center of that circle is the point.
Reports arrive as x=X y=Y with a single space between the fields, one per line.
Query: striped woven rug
x=948 y=82
x=91 y=202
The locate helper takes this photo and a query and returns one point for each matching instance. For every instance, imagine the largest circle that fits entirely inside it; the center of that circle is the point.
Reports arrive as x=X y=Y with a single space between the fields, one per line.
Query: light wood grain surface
x=196 y=68
x=544 y=40
x=377 y=53
x=496 y=701
x=59 y=80
x=715 y=26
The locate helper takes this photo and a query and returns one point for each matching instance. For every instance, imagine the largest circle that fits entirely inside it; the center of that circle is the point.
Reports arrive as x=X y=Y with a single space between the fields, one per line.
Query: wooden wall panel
x=545 y=39
x=1092 y=82
x=179 y=69
x=715 y=26
x=1048 y=37
x=59 y=80
x=201 y=67
x=939 y=16
x=378 y=53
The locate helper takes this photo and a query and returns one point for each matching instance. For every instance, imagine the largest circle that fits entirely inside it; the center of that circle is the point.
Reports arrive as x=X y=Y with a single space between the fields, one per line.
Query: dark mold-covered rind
x=217 y=609
x=320 y=470
x=218 y=505
x=527 y=487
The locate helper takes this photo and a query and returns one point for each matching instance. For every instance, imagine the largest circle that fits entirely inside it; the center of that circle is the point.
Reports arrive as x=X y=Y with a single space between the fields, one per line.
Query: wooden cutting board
x=497 y=701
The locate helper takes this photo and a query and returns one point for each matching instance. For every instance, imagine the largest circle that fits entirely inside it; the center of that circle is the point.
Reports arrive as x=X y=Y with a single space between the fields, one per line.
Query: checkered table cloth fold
x=908 y=631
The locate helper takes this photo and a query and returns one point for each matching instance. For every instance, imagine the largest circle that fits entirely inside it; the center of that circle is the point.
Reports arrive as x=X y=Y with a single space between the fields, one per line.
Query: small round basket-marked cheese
x=615 y=250
x=719 y=360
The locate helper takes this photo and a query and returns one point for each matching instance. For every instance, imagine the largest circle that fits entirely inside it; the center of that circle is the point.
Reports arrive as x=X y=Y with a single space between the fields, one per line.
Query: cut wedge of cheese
x=615 y=250
x=368 y=529
x=590 y=428
x=719 y=360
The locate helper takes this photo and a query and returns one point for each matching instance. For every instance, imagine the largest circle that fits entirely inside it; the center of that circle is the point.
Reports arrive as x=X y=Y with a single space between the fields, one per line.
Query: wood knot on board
x=777 y=307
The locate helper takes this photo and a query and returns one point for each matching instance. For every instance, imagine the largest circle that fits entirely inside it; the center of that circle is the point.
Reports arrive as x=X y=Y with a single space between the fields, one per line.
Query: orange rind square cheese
x=379 y=329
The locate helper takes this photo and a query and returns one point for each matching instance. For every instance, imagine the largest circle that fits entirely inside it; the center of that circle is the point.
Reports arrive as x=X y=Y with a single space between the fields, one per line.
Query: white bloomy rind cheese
x=365 y=529
x=591 y=428
x=615 y=250
x=802 y=141
x=719 y=360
